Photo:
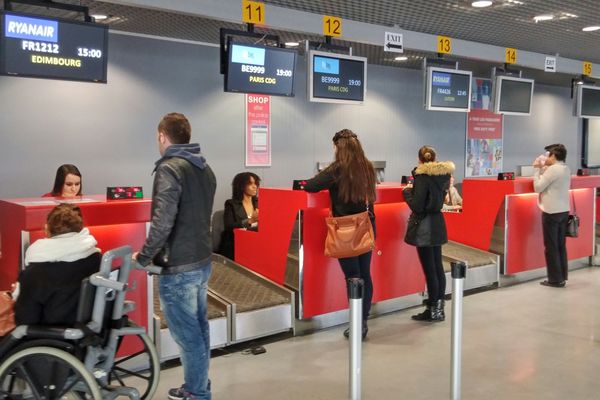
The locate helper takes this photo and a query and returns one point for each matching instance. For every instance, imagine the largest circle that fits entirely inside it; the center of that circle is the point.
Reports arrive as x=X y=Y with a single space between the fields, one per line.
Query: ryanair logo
x=30 y=28
x=440 y=79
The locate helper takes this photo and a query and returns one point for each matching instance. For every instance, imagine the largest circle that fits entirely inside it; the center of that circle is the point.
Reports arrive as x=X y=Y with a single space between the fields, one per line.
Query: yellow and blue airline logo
x=30 y=28
x=247 y=55
x=326 y=65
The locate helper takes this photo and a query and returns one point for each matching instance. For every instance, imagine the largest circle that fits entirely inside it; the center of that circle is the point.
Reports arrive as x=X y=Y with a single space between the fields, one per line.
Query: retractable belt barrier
x=458 y=272
x=355 y=296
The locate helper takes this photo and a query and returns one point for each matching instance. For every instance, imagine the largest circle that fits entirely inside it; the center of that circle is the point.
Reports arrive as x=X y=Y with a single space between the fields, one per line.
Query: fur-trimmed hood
x=435 y=168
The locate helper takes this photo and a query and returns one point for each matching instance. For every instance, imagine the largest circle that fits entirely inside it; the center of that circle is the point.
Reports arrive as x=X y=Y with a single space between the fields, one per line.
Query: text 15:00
x=92 y=53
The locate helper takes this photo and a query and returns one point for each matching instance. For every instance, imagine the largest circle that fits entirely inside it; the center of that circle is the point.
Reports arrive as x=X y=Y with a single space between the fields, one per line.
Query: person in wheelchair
x=55 y=266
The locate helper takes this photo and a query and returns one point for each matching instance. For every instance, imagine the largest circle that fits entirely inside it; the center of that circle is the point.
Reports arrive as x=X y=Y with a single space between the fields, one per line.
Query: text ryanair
x=440 y=79
x=31 y=28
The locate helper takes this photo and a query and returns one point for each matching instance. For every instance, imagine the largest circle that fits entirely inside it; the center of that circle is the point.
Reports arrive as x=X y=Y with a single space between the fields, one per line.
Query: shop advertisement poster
x=258 y=130
x=484 y=144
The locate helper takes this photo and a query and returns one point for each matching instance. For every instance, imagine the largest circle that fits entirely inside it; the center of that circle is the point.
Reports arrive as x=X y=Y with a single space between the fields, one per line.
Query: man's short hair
x=176 y=127
x=559 y=151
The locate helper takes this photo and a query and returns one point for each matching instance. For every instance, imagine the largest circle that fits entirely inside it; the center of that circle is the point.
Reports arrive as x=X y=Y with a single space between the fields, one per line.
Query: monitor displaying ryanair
x=447 y=89
x=45 y=47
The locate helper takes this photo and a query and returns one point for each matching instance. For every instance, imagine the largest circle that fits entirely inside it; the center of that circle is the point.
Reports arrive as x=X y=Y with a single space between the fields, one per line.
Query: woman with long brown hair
x=351 y=181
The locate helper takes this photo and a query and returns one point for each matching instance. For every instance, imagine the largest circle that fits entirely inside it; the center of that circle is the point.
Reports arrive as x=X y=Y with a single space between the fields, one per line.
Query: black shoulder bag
x=573 y=221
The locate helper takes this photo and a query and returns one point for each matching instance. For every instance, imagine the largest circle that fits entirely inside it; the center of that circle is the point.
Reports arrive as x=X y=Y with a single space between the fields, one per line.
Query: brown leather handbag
x=7 y=313
x=349 y=236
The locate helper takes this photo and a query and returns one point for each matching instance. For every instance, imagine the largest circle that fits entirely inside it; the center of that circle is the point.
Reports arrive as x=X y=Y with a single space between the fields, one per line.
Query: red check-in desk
x=395 y=267
x=113 y=224
x=510 y=207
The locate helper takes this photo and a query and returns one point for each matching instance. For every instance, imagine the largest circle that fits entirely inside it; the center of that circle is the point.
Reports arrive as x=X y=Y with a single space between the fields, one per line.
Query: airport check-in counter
x=503 y=217
x=319 y=281
x=113 y=223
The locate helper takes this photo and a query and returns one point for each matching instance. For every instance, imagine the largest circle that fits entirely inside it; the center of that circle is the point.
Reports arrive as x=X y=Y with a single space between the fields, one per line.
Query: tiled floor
x=519 y=342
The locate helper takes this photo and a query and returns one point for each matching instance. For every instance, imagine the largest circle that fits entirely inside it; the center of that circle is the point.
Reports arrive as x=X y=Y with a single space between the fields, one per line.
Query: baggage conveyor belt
x=251 y=305
x=483 y=267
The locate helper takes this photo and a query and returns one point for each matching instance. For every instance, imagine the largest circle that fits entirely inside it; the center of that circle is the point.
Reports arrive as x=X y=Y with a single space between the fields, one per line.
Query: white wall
x=109 y=130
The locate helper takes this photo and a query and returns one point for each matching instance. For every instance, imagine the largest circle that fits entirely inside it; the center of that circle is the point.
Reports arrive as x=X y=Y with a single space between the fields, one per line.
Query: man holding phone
x=552 y=180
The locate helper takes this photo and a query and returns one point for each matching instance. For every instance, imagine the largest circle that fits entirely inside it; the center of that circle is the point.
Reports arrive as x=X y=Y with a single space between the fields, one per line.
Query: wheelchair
x=83 y=362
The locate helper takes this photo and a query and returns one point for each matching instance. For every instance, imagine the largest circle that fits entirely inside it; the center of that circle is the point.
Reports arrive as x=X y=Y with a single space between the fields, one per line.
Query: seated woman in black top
x=50 y=284
x=241 y=211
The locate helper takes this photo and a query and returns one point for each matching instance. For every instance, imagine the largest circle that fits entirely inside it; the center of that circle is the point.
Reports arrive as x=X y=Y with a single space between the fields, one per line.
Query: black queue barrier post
x=355 y=296
x=458 y=272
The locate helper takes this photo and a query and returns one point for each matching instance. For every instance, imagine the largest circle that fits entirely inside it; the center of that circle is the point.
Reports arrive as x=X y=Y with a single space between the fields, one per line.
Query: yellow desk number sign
x=332 y=26
x=510 y=55
x=587 y=68
x=253 y=12
x=444 y=45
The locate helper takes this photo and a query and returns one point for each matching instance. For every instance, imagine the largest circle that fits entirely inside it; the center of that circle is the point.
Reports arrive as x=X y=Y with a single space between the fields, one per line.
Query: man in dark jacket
x=179 y=240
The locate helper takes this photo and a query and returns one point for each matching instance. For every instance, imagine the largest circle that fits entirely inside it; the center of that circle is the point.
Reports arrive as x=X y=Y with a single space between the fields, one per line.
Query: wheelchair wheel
x=140 y=369
x=47 y=373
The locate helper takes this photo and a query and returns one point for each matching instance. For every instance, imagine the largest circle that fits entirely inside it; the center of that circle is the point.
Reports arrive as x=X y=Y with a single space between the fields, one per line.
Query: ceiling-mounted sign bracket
x=51 y=4
x=439 y=62
x=328 y=45
x=225 y=36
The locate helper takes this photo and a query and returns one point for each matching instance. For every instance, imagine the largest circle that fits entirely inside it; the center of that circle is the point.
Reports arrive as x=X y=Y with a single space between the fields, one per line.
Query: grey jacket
x=184 y=187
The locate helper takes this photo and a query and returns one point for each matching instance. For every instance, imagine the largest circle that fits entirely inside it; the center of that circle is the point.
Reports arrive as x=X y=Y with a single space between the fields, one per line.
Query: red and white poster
x=484 y=144
x=258 y=130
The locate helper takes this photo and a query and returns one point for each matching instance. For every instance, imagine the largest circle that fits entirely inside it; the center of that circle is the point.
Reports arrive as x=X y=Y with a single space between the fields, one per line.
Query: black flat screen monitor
x=336 y=78
x=448 y=89
x=591 y=143
x=513 y=96
x=588 y=101
x=260 y=69
x=44 y=47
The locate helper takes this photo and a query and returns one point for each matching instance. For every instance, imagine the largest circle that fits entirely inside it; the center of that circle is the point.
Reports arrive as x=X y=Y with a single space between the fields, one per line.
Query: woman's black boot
x=365 y=330
x=425 y=315
x=437 y=311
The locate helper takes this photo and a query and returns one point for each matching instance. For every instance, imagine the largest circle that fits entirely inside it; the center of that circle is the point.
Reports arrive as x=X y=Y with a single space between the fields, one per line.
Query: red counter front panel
x=524 y=236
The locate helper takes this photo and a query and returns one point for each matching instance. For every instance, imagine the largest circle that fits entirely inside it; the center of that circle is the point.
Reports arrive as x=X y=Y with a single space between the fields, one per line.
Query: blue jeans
x=183 y=301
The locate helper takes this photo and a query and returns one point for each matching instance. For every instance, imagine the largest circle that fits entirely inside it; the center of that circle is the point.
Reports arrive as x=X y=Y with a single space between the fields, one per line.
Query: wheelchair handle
x=99 y=280
x=150 y=268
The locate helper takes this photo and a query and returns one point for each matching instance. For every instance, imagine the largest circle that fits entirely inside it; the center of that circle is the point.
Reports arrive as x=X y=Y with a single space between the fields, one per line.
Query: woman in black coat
x=426 y=226
x=50 y=284
x=241 y=211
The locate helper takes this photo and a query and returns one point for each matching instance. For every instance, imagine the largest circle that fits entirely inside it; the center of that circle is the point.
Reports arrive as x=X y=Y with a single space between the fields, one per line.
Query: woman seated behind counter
x=241 y=211
x=50 y=284
x=453 y=201
x=67 y=182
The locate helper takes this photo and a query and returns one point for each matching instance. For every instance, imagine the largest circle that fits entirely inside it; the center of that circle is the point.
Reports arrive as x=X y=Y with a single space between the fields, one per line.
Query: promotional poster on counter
x=484 y=153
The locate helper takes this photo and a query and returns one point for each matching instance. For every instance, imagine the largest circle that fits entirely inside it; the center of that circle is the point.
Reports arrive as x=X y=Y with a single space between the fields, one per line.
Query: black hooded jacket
x=426 y=225
x=182 y=199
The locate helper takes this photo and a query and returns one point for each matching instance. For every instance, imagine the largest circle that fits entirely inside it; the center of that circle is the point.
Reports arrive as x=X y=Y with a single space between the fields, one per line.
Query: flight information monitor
x=44 y=47
x=448 y=89
x=336 y=78
x=513 y=96
x=260 y=69
x=587 y=101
